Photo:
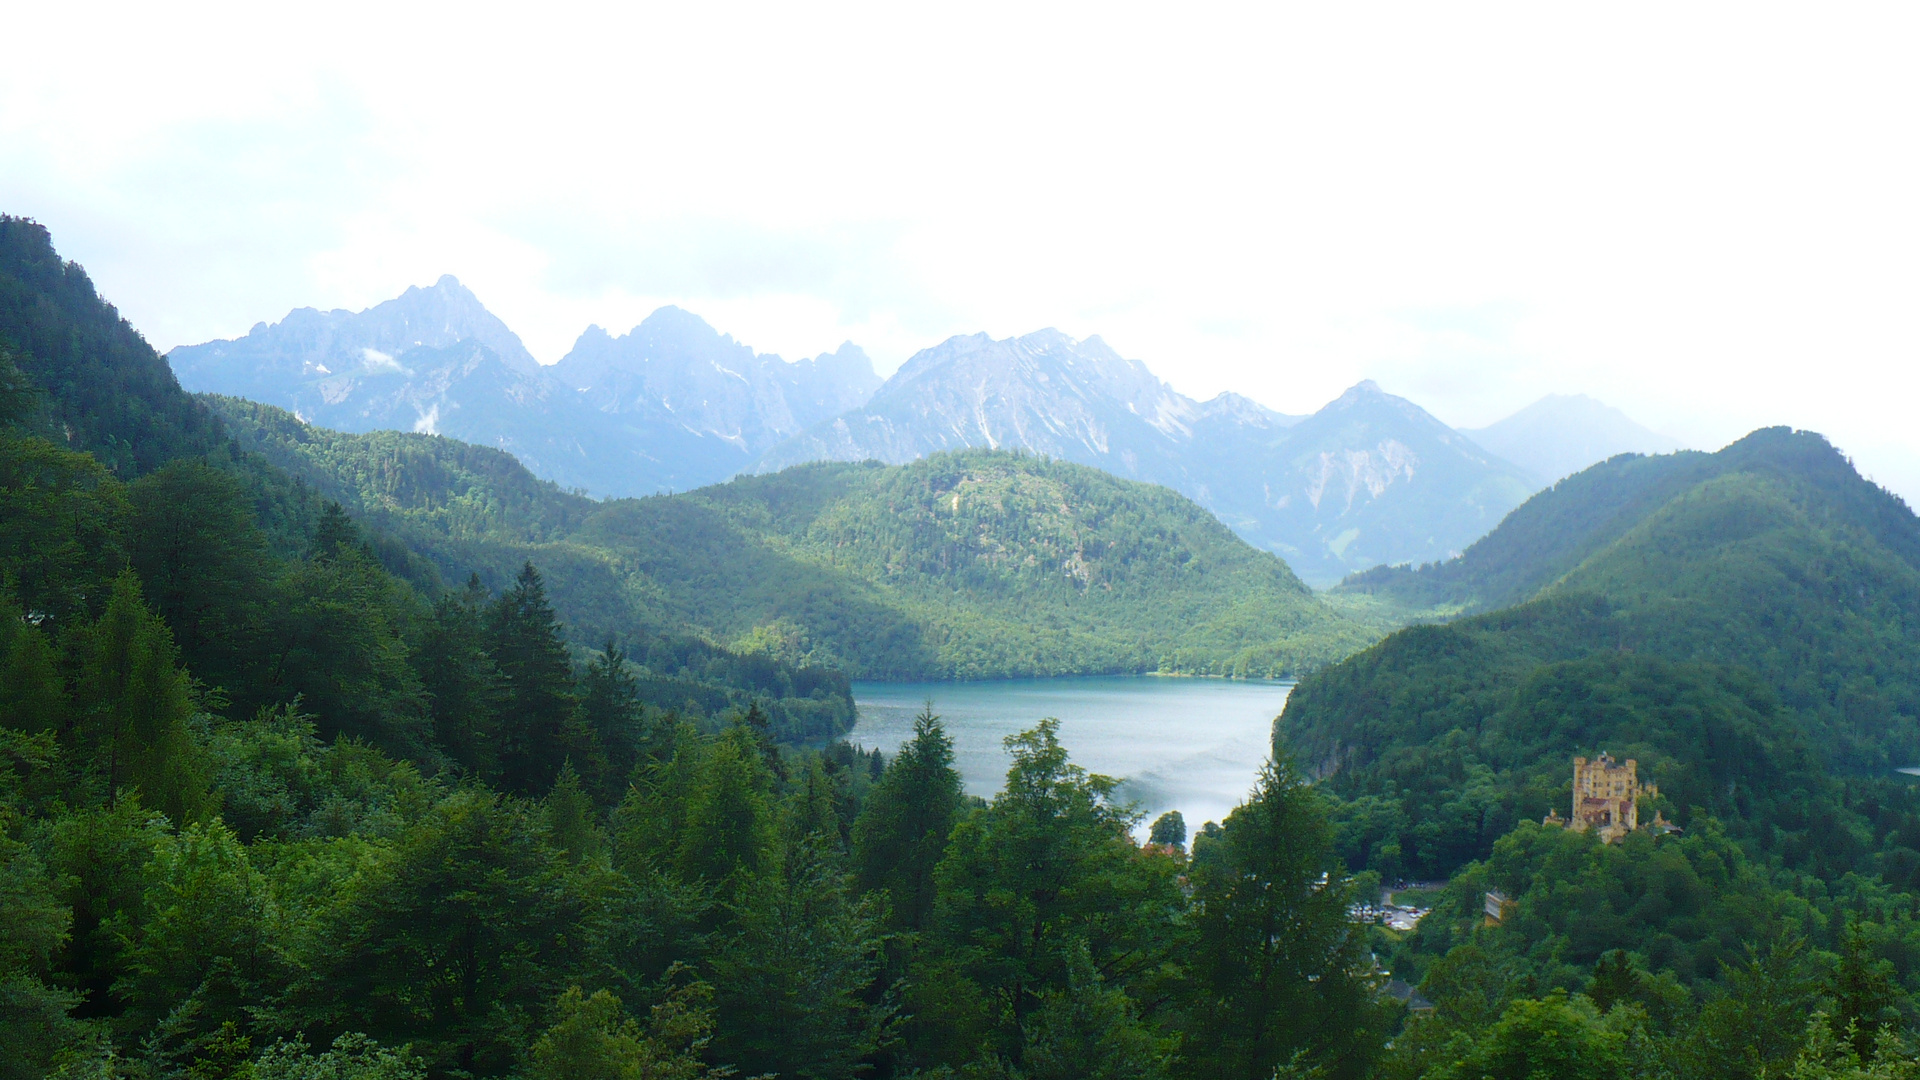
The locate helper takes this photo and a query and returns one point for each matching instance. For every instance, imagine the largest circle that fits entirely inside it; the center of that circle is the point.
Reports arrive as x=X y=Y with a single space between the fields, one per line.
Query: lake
x=1192 y=745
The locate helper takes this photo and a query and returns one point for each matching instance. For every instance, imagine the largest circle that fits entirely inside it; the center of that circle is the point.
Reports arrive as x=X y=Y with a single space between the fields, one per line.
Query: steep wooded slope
x=973 y=565
x=1770 y=574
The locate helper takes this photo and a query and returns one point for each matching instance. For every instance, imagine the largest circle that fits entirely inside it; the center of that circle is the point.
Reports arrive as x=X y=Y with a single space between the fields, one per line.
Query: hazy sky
x=1709 y=216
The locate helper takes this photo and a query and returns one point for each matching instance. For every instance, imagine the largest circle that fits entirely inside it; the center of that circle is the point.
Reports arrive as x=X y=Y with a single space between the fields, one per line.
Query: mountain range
x=1371 y=479
x=672 y=405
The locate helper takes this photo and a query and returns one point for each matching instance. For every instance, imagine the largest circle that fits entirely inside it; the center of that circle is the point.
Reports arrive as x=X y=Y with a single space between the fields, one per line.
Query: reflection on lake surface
x=1191 y=745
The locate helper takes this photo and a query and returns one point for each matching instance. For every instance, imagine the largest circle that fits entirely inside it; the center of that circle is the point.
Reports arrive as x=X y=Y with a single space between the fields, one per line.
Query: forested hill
x=1743 y=626
x=972 y=565
x=108 y=463
x=1745 y=620
x=1552 y=534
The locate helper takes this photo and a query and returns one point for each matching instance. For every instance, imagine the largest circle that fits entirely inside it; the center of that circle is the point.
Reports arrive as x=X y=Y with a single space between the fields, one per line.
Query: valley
x=357 y=658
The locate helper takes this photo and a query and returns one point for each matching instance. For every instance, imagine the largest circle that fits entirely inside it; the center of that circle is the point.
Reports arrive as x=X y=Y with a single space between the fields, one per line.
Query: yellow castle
x=1606 y=797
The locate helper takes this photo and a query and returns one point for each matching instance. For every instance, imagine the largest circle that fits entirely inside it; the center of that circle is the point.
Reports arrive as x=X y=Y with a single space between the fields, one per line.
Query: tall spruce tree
x=134 y=706
x=730 y=829
x=338 y=629
x=464 y=688
x=539 y=725
x=610 y=708
x=33 y=696
x=902 y=833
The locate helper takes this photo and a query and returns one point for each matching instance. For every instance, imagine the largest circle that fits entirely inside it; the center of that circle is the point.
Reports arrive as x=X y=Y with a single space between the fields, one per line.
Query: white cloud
x=1702 y=214
x=379 y=361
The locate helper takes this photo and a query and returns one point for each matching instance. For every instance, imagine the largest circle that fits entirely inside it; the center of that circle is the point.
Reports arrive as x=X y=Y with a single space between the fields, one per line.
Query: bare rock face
x=1369 y=479
x=675 y=369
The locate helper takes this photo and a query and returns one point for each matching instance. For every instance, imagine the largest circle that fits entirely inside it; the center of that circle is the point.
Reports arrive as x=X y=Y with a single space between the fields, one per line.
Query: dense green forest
x=281 y=795
x=972 y=565
x=369 y=757
x=1743 y=624
x=1752 y=632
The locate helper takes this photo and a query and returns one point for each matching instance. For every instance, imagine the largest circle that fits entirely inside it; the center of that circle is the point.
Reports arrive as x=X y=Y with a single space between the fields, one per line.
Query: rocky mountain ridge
x=673 y=404
x=1369 y=479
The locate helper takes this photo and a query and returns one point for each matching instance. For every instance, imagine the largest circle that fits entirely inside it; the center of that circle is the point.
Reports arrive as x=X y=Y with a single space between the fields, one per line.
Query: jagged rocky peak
x=1047 y=372
x=676 y=338
x=440 y=315
x=676 y=368
x=310 y=344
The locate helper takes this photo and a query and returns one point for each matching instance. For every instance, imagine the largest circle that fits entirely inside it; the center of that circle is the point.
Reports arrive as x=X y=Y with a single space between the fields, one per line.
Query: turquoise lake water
x=1192 y=745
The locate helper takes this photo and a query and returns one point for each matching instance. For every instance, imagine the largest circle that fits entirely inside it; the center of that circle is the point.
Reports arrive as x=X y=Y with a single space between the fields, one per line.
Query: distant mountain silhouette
x=1561 y=434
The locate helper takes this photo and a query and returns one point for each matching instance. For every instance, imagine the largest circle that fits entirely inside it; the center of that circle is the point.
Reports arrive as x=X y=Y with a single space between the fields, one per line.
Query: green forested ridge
x=970 y=565
x=268 y=591
x=1742 y=624
x=1777 y=587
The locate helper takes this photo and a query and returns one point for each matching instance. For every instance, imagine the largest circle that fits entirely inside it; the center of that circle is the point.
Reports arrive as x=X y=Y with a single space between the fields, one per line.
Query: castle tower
x=1606 y=796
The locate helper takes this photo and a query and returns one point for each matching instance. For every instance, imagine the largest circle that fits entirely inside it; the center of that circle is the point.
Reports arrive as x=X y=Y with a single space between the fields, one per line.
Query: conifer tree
x=610 y=707
x=811 y=808
x=62 y=535
x=794 y=975
x=454 y=940
x=1091 y=1031
x=729 y=831
x=203 y=562
x=338 y=630
x=463 y=686
x=902 y=833
x=570 y=817
x=1615 y=980
x=1756 y=1028
x=1864 y=992
x=134 y=707
x=335 y=532
x=33 y=696
x=538 y=723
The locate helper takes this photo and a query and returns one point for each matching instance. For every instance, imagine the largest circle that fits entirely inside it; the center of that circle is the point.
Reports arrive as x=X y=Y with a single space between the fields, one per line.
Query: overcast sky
x=1709 y=217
